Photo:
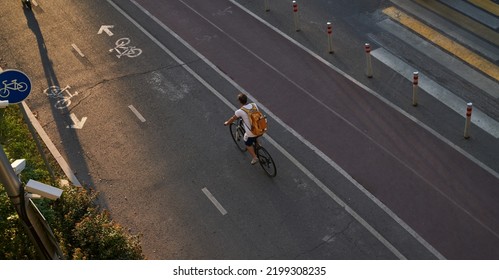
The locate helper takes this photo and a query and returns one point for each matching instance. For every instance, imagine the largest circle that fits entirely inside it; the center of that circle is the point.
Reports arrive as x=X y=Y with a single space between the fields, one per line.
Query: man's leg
x=251 y=150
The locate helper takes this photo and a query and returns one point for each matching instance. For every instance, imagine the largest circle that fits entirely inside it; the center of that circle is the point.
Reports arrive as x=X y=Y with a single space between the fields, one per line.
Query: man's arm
x=231 y=120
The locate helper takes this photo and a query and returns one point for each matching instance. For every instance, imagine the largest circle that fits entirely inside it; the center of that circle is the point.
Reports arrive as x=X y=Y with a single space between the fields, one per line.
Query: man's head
x=243 y=99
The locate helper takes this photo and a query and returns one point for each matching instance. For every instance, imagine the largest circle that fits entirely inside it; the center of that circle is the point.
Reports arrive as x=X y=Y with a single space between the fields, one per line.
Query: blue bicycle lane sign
x=15 y=86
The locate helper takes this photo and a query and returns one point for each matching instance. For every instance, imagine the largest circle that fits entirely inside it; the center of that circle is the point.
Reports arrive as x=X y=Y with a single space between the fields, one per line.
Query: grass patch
x=83 y=230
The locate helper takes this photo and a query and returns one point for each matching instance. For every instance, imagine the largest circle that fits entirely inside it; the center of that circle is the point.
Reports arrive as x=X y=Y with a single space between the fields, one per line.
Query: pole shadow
x=61 y=116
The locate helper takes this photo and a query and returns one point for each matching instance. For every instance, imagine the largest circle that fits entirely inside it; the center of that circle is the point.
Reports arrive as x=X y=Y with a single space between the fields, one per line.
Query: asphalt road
x=408 y=194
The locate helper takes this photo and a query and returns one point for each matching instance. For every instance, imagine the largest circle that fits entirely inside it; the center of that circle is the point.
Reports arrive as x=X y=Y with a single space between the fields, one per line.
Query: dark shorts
x=250 y=141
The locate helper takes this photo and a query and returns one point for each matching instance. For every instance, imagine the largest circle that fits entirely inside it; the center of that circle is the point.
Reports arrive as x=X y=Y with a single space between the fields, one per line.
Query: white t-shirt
x=242 y=114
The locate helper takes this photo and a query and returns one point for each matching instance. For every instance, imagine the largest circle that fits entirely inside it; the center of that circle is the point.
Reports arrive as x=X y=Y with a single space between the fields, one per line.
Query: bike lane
x=446 y=198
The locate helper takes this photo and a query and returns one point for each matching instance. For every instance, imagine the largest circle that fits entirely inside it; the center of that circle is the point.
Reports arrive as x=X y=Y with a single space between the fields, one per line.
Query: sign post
x=15 y=86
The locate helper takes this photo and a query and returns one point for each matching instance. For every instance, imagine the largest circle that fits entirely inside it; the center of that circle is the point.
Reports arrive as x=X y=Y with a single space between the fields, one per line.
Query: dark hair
x=242 y=98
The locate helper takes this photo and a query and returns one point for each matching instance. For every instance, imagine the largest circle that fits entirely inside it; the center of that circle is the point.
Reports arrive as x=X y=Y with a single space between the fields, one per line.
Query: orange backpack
x=257 y=120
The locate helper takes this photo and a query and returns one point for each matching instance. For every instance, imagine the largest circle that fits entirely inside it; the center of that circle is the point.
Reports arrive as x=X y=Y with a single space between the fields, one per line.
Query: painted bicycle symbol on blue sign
x=15 y=86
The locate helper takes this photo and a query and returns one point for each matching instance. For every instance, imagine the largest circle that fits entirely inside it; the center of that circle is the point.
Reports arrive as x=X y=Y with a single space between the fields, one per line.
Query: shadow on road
x=61 y=114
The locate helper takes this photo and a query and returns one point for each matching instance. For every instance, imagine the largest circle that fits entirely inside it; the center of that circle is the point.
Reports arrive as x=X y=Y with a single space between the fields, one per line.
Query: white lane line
x=434 y=89
x=214 y=201
x=141 y=118
x=75 y=47
x=376 y=234
x=366 y=88
x=296 y=134
x=393 y=106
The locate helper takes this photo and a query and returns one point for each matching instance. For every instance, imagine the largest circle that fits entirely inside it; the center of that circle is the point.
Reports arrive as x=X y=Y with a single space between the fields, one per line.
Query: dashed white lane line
x=214 y=201
x=338 y=200
x=137 y=114
x=75 y=47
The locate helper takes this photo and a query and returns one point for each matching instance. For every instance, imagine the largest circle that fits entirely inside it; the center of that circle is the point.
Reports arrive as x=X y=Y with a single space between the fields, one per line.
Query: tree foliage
x=83 y=230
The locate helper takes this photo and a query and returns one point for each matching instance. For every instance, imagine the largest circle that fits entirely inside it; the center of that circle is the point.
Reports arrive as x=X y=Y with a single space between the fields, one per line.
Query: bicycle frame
x=13 y=85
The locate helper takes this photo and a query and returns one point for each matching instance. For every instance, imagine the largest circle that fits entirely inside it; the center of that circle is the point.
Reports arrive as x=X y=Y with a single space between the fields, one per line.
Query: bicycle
x=13 y=85
x=266 y=162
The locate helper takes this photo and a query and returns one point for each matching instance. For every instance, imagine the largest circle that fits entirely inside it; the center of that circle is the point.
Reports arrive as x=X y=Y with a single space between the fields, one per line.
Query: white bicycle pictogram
x=13 y=85
x=123 y=49
x=58 y=93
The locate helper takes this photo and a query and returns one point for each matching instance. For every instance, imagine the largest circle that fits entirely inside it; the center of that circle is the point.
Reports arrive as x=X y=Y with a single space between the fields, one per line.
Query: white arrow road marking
x=77 y=124
x=106 y=28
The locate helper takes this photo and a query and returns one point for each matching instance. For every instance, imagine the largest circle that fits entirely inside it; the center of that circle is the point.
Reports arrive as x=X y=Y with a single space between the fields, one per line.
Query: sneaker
x=253 y=161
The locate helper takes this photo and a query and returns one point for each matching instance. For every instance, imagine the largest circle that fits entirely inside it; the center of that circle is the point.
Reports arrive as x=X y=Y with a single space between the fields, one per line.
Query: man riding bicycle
x=249 y=138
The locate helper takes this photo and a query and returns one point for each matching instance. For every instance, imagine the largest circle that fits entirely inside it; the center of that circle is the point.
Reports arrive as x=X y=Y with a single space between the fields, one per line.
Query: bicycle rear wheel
x=237 y=135
x=266 y=161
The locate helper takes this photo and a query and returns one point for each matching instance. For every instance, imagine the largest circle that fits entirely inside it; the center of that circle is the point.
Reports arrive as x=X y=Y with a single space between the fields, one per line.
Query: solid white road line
x=376 y=234
x=214 y=201
x=141 y=118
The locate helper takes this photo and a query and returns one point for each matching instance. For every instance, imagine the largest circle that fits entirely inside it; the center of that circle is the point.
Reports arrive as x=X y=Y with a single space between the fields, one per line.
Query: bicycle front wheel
x=4 y=92
x=237 y=135
x=266 y=162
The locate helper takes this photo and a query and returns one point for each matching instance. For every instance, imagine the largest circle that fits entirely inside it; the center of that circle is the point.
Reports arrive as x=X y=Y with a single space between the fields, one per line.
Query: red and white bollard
x=468 y=120
x=369 y=70
x=295 y=16
x=266 y=5
x=329 y=37
x=415 y=78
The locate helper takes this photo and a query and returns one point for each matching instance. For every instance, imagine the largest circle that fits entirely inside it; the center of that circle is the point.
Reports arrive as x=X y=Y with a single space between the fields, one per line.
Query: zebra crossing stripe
x=461 y=20
x=487 y=5
x=444 y=42
x=473 y=12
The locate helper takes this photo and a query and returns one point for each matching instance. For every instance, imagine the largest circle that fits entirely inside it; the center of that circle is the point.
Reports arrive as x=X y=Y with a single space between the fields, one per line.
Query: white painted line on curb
x=55 y=153
x=75 y=47
x=214 y=201
x=376 y=234
x=141 y=118
x=53 y=150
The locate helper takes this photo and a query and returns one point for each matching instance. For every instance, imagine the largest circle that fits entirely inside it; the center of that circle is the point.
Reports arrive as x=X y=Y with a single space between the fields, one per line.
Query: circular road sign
x=15 y=86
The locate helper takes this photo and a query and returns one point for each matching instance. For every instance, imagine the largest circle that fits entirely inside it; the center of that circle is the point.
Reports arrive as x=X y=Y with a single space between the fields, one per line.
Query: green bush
x=83 y=231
